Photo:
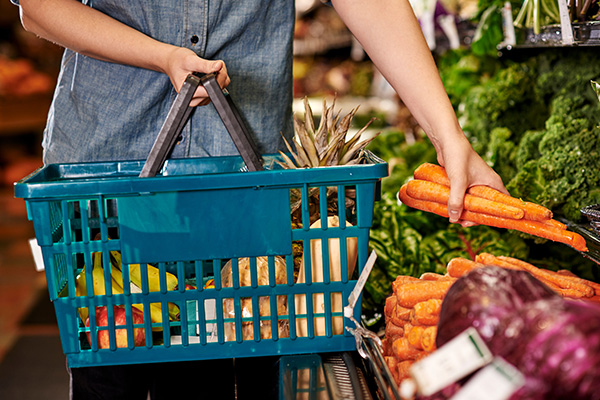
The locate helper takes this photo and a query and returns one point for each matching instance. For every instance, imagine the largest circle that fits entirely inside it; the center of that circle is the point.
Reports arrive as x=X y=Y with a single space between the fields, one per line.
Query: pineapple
x=327 y=145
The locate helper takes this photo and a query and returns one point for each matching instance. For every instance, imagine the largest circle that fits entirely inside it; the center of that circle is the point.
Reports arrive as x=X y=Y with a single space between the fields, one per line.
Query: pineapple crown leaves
x=327 y=144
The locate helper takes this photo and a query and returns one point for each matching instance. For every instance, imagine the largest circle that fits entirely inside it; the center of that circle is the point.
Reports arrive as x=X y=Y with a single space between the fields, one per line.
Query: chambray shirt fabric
x=103 y=111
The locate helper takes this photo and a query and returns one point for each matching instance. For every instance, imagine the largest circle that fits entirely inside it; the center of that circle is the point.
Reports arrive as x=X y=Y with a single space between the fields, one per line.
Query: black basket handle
x=179 y=114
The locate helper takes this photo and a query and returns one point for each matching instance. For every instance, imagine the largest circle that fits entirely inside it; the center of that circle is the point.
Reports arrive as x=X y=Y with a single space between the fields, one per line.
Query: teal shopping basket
x=202 y=261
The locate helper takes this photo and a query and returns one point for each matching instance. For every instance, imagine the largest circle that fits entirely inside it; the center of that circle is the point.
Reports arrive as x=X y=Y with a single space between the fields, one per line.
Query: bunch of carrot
x=562 y=282
x=411 y=316
x=430 y=190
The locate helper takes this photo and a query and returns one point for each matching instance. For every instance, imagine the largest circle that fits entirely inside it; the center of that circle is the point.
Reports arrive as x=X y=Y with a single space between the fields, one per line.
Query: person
x=125 y=61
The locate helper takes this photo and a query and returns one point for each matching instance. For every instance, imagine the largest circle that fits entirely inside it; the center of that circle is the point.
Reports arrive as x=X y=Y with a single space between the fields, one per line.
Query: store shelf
x=584 y=35
x=321 y=45
x=24 y=114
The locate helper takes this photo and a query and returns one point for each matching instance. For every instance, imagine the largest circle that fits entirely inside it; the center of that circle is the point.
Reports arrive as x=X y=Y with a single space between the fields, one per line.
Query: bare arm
x=92 y=33
x=390 y=33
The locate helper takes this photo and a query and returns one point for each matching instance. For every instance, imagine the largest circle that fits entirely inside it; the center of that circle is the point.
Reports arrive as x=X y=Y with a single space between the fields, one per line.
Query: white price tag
x=456 y=359
x=566 y=29
x=210 y=313
x=508 y=27
x=36 y=251
x=500 y=375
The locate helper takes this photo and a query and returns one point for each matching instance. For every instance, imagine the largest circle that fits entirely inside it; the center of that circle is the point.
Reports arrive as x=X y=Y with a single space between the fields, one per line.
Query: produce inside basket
x=264 y=305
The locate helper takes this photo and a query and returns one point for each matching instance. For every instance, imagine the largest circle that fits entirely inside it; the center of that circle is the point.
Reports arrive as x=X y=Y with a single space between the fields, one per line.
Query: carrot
x=414 y=336
x=566 y=272
x=429 y=206
x=401 y=280
x=426 y=312
x=490 y=259
x=555 y=223
x=532 y=211
x=571 y=293
x=392 y=330
x=594 y=285
x=539 y=274
x=386 y=347
x=536 y=228
x=407 y=327
x=390 y=307
x=431 y=191
x=391 y=361
x=437 y=174
x=403 y=350
x=431 y=276
x=403 y=369
x=412 y=293
x=433 y=173
x=561 y=281
x=401 y=315
x=428 y=338
x=392 y=364
x=459 y=266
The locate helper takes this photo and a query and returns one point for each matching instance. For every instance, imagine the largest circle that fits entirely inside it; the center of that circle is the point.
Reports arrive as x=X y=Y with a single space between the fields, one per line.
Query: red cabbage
x=554 y=342
x=483 y=298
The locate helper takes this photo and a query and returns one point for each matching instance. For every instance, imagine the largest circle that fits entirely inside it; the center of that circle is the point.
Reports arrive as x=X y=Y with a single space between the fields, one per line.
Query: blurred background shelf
x=24 y=114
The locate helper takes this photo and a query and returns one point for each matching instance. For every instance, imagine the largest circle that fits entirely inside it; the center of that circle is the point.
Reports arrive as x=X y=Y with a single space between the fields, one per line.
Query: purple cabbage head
x=554 y=342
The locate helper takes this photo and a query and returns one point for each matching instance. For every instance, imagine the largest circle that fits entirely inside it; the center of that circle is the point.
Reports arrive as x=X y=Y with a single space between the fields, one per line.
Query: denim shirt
x=103 y=111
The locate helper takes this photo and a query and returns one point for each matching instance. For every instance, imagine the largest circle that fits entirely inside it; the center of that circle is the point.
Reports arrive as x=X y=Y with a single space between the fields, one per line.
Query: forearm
x=390 y=34
x=87 y=31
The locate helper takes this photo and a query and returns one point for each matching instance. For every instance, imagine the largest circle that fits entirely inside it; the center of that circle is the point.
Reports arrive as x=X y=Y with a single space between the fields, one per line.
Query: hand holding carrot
x=484 y=205
x=465 y=168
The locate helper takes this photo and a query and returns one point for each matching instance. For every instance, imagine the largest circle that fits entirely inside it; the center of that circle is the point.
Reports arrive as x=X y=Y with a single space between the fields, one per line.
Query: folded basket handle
x=179 y=114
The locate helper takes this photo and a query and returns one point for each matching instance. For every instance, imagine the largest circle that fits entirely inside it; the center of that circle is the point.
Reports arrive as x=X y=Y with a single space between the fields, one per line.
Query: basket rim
x=202 y=173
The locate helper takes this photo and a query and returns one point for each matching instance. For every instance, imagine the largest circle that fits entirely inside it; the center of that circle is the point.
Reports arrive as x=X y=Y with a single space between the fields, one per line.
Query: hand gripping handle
x=179 y=114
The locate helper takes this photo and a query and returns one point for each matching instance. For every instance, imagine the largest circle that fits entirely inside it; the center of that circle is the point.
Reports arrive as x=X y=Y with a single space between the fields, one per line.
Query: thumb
x=456 y=200
x=216 y=66
x=206 y=66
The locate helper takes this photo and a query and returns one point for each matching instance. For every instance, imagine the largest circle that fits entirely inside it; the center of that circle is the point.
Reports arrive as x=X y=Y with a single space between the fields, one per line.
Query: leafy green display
x=461 y=70
x=535 y=123
x=561 y=172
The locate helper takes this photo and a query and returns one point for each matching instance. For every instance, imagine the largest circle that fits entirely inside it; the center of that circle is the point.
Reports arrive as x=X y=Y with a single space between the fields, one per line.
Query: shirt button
x=194 y=39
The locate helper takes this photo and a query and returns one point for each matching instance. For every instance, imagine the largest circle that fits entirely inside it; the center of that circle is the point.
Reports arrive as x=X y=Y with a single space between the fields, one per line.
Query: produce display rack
x=584 y=35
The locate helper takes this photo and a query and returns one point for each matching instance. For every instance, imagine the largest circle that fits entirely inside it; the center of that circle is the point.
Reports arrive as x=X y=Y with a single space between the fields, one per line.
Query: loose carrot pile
x=412 y=311
x=430 y=190
x=562 y=282
x=411 y=316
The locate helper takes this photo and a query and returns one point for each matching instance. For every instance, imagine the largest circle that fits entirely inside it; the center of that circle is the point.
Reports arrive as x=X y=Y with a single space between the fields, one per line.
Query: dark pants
x=250 y=378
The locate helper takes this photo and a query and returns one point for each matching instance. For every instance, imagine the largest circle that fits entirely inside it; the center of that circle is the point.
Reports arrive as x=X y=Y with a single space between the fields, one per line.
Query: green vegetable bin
x=198 y=217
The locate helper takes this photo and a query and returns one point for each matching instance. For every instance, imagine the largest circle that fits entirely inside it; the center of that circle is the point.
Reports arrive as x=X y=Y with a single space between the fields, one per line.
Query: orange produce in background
x=18 y=77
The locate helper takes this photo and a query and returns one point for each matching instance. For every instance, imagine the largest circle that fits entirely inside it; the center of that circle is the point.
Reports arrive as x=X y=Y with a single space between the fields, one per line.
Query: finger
x=222 y=76
x=199 y=102
x=200 y=97
x=456 y=199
